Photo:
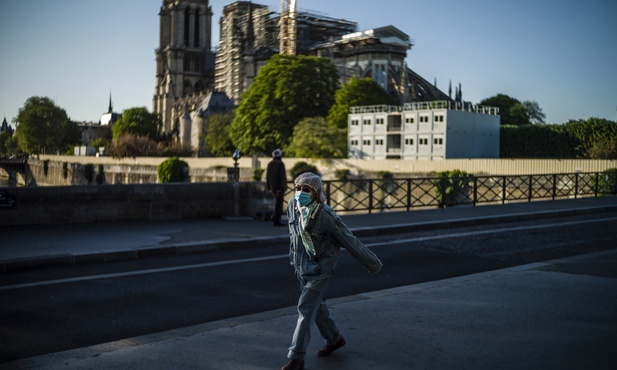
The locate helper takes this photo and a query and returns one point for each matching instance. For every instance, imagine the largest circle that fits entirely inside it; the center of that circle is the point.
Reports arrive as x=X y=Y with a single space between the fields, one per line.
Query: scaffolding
x=288 y=28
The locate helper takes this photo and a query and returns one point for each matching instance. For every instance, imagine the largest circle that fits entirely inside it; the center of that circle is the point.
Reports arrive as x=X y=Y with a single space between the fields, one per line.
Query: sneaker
x=294 y=364
x=329 y=348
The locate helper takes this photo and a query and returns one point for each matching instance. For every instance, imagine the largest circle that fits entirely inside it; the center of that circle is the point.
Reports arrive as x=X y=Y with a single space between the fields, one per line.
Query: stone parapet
x=135 y=202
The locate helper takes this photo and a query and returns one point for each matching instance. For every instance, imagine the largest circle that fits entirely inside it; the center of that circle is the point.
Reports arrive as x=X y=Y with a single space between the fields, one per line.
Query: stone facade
x=184 y=58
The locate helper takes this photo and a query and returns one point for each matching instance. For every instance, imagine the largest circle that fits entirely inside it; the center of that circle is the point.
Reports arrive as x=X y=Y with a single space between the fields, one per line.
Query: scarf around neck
x=306 y=214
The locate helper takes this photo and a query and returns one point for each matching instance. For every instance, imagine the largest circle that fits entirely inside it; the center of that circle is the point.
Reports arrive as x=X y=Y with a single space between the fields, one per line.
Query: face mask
x=303 y=198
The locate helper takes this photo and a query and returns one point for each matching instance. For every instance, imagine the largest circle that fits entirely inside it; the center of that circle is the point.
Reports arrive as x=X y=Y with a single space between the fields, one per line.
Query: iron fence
x=379 y=195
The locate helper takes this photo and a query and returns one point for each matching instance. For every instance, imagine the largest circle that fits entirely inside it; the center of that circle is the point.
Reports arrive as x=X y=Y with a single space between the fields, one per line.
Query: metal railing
x=380 y=195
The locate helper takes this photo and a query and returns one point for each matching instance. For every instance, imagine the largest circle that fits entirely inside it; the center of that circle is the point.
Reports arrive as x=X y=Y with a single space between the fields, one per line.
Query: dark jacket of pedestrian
x=276 y=180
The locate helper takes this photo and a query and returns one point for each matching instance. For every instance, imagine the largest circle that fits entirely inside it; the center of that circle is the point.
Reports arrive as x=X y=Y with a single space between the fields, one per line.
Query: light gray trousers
x=312 y=308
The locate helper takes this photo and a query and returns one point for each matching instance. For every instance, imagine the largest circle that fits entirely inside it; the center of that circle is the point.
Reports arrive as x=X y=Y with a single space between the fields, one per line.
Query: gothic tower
x=184 y=59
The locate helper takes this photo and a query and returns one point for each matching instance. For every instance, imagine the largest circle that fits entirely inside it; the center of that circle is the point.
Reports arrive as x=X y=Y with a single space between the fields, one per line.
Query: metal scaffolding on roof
x=288 y=28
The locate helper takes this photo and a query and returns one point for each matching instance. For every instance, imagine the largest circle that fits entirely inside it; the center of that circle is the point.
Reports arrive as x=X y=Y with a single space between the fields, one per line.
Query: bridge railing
x=379 y=195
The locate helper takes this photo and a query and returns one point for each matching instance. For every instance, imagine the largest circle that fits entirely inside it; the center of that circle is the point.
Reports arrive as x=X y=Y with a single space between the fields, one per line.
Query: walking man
x=317 y=235
x=277 y=184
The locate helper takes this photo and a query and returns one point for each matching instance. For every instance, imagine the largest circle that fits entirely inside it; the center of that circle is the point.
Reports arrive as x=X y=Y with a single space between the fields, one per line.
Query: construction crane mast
x=288 y=25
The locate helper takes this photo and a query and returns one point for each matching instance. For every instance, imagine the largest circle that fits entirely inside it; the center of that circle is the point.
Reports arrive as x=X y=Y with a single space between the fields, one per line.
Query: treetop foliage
x=43 y=127
x=312 y=138
x=286 y=90
x=137 y=121
x=514 y=112
x=216 y=140
x=594 y=138
x=356 y=92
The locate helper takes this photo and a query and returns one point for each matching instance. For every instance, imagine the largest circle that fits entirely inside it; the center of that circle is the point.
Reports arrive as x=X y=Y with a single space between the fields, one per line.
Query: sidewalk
x=34 y=245
x=558 y=315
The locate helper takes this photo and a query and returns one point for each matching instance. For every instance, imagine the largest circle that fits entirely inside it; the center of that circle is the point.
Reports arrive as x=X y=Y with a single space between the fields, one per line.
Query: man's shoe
x=329 y=348
x=294 y=365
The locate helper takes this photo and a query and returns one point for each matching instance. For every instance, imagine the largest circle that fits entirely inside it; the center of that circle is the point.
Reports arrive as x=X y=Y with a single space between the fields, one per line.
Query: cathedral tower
x=184 y=59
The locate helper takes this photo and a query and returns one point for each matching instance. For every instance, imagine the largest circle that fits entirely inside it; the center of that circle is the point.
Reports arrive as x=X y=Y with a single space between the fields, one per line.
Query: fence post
x=475 y=190
x=576 y=186
x=328 y=192
x=554 y=186
x=503 y=190
x=442 y=189
x=370 y=196
x=408 y=195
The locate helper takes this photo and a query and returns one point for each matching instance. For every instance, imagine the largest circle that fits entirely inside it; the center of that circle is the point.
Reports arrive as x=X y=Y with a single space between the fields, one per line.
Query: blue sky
x=561 y=54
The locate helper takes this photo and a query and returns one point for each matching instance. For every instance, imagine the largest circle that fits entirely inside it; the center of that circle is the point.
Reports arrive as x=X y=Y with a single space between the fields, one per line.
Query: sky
x=561 y=54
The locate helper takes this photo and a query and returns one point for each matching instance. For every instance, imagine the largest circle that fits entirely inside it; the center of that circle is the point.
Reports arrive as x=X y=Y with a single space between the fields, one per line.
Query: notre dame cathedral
x=193 y=81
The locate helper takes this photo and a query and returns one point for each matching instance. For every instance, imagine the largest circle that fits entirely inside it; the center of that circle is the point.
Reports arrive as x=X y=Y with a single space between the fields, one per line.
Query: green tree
x=216 y=139
x=302 y=167
x=597 y=137
x=312 y=138
x=514 y=112
x=534 y=113
x=356 y=92
x=505 y=103
x=4 y=143
x=43 y=127
x=286 y=90
x=137 y=121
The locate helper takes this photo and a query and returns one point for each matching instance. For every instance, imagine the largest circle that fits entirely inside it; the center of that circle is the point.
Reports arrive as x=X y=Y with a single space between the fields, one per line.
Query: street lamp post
x=236 y=184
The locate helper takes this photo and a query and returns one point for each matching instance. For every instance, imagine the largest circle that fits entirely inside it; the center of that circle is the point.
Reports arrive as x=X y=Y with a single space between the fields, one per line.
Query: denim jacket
x=329 y=234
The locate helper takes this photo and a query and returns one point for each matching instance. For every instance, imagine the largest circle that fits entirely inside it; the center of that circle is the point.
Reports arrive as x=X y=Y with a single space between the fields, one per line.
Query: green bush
x=173 y=170
x=385 y=175
x=452 y=187
x=302 y=167
x=607 y=182
x=342 y=174
x=257 y=174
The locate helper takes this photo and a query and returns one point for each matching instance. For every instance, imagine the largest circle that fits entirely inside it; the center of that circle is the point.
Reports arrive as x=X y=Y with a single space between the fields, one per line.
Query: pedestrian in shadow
x=317 y=235
x=277 y=184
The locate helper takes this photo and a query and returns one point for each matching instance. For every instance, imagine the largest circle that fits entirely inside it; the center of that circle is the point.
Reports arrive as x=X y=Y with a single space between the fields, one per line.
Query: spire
x=6 y=128
x=110 y=106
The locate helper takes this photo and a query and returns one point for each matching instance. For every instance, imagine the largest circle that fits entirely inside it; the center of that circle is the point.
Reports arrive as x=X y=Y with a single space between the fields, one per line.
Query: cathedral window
x=187 y=26
x=196 y=37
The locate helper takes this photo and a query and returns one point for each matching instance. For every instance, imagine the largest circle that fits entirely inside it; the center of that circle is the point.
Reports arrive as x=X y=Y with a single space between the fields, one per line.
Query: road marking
x=141 y=272
x=281 y=256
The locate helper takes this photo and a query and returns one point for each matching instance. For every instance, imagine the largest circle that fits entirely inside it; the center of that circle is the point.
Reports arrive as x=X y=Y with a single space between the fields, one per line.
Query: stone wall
x=105 y=203
x=59 y=173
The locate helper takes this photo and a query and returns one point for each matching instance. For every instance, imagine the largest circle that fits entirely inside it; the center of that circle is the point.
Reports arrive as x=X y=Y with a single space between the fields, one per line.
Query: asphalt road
x=53 y=309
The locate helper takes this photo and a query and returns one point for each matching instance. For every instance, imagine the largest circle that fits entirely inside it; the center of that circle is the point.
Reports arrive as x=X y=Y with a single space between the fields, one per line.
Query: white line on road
x=281 y=256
